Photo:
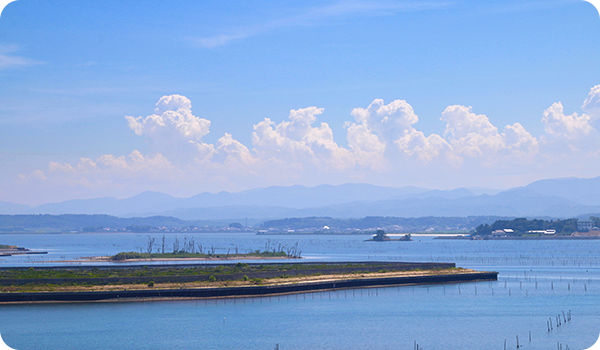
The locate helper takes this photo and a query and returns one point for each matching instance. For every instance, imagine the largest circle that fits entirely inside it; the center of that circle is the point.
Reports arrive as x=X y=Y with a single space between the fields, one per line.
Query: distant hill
x=144 y=202
x=559 y=198
x=582 y=191
x=69 y=222
x=12 y=208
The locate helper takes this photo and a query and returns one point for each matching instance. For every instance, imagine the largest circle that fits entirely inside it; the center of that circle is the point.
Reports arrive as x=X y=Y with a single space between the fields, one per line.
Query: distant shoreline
x=371 y=233
x=549 y=238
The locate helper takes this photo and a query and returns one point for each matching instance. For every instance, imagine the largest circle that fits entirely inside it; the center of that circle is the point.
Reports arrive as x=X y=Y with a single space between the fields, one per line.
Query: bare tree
x=150 y=244
x=176 y=245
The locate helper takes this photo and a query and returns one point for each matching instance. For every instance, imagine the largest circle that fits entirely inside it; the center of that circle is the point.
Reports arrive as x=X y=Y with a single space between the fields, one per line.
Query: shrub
x=212 y=278
x=245 y=278
x=151 y=284
x=127 y=255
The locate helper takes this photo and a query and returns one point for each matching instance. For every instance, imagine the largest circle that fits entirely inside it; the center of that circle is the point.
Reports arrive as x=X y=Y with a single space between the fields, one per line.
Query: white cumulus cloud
x=471 y=135
x=298 y=141
x=591 y=105
x=387 y=131
x=573 y=134
x=383 y=144
x=572 y=126
x=174 y=130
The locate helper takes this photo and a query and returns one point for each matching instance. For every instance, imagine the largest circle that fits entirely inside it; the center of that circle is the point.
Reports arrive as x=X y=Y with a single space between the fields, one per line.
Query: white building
x=503 y=233
x=584 y=225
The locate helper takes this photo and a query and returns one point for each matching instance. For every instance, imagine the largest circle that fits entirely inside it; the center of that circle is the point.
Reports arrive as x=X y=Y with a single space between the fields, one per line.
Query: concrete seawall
x=250 y=291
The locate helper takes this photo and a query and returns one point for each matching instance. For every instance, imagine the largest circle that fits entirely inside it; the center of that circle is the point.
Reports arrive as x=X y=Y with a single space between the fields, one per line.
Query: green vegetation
x=522 y=225
x=185 y=255
x=188 y=249
x=4 y=246
x=149 y=271
x=18 y=280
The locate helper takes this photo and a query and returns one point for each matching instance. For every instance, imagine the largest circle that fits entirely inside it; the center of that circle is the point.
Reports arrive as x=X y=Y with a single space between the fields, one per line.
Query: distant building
x=503 y=233
x=584 y=225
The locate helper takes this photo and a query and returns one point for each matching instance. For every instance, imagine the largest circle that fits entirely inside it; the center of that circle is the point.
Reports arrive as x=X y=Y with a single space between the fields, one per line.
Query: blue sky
x=438 y=94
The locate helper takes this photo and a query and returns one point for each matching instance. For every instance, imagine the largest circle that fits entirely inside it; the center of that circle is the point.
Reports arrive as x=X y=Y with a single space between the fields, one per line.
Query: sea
x=547 y=297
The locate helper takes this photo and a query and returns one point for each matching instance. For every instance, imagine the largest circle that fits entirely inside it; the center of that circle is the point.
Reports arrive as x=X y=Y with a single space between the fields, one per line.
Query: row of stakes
x=566 y=317
x=369 y=292
x=559 y=322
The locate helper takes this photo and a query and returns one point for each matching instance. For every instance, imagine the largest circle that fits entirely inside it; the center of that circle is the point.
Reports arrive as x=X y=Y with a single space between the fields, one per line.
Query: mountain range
x=559 y=198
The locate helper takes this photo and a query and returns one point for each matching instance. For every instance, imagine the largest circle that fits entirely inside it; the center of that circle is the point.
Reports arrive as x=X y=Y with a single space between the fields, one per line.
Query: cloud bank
x=384 y=146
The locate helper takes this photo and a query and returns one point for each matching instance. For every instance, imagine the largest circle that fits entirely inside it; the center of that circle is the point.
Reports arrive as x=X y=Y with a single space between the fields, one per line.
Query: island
x=189 y=251
x=380 y=236
x=159 y=282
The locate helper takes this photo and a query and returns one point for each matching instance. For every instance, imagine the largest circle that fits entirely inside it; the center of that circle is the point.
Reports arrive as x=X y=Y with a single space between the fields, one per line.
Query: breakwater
x=246 y=291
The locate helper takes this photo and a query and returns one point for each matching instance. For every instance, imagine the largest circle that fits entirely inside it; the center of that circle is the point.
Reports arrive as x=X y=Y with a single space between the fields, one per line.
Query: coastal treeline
x=389 y=223
x=521 y=226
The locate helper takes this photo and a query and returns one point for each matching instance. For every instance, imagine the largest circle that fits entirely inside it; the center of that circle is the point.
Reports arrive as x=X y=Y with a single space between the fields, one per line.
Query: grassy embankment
x=94 y=279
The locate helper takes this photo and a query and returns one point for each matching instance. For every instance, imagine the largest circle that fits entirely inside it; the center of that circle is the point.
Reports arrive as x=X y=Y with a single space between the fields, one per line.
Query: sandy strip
x=237 y=283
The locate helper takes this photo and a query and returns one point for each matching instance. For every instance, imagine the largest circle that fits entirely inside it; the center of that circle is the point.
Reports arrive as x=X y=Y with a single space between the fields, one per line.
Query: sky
x=115 y=98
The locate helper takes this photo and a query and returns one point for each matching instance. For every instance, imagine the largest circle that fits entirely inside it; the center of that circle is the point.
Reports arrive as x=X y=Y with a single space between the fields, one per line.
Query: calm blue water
x=538 y=280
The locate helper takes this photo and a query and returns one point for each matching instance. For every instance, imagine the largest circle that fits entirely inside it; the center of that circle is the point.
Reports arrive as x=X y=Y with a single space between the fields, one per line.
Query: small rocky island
x=380 y=236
